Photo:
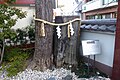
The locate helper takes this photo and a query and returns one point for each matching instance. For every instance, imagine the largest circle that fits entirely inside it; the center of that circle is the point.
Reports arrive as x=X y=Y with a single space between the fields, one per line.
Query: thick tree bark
x=66 y=49
x=43 y=57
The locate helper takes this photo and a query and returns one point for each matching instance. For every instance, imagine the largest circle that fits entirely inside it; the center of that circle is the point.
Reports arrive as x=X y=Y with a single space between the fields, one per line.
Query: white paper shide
x=58 y=32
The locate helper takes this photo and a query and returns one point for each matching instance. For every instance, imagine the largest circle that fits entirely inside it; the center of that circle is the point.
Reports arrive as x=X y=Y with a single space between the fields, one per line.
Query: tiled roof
x=23 y=2
x=106 y=25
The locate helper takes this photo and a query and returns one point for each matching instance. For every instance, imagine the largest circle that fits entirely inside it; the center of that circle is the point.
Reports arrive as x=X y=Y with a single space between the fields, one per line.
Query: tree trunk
x=43 y=57
x=66 y=49
x=2 y=54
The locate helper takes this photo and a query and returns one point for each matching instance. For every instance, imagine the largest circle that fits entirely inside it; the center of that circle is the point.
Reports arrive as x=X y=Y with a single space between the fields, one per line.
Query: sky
x=68 y=5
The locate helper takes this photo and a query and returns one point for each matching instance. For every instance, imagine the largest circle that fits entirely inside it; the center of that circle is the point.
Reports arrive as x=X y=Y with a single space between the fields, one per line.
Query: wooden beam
x=116 y=63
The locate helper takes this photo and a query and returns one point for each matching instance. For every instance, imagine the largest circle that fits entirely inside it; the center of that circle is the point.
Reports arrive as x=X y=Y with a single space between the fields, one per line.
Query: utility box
x=91 y=47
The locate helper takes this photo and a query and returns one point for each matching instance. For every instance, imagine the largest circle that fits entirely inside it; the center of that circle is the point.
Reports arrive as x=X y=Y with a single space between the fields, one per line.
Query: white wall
x=95 y=4
x=25 y=21
x=107 y=46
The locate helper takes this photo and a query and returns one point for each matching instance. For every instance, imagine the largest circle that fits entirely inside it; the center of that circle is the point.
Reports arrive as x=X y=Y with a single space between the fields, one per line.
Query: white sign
x=91 y=47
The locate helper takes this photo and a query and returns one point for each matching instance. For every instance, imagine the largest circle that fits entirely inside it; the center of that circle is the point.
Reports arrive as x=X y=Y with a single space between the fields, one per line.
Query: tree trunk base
x=40 y=64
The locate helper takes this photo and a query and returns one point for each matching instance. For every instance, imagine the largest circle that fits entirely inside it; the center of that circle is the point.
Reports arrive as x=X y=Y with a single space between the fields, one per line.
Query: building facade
x=99 y=9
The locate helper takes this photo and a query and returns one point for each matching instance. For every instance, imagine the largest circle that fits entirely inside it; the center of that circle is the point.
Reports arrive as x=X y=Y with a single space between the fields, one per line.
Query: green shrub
x=16 y=59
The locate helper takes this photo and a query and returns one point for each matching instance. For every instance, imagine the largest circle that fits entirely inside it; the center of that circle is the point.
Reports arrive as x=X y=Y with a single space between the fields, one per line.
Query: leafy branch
x=8 y=17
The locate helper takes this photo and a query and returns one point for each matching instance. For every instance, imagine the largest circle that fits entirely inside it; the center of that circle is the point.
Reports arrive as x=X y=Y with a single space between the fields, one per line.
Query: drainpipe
x=116 y=62
x=56 y=3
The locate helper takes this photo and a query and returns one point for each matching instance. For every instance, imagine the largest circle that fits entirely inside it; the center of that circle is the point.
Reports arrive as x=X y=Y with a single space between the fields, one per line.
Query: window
x=115 y=0
x=88 y=0
x=90 y=17
x=98 y=16
x=105 y=2
x=107 y=16
x=109 y=1
x=114 y=15
x=84 y=8
x=102 y=16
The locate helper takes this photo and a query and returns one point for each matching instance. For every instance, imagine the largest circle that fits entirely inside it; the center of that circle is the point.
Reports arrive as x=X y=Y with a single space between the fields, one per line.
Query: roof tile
x=107 y=25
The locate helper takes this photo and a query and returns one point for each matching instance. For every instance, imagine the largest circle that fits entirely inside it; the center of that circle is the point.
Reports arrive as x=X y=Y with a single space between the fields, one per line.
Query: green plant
x=8 y=18
x=16 y=59
x=31 y=33
x=82 y=70
x=21 y=36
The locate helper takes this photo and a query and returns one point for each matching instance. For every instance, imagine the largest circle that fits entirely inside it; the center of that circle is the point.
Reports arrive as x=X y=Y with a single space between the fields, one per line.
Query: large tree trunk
x=66 y=50
x=43 y=57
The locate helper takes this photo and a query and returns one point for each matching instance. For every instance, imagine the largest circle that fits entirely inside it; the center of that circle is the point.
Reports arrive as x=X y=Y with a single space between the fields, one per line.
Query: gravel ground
x=57 y=74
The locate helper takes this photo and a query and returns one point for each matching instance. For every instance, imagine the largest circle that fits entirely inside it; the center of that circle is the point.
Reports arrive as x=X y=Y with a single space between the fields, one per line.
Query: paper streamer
x=42 y=30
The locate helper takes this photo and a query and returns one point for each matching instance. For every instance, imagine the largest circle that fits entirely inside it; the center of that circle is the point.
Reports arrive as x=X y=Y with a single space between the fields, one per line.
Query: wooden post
x=116 y=63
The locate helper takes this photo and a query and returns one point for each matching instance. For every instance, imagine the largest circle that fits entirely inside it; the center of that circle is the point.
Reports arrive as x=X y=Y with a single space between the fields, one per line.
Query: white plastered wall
x=25 y=21
x=107 y=46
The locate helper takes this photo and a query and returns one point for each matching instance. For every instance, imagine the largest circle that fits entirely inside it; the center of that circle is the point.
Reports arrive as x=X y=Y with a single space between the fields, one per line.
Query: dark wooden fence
x=23 y=46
